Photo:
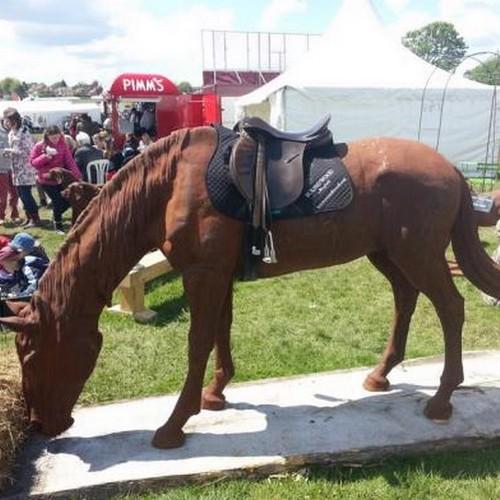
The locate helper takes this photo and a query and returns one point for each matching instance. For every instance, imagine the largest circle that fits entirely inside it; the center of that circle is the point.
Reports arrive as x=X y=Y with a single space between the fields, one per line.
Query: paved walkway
x=268 y=426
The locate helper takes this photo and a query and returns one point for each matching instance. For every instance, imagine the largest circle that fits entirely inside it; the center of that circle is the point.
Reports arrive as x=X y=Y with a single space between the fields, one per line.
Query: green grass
x=47 y=237
x=301 y=323
x=454 y=476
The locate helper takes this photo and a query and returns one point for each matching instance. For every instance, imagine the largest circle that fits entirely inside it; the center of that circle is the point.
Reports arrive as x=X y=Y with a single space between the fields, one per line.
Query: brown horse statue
x=78 y=195
x=62 y=176
x=409 y=202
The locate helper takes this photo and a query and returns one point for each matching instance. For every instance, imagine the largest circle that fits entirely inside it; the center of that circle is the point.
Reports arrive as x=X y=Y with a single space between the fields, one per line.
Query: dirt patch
x=12 y=417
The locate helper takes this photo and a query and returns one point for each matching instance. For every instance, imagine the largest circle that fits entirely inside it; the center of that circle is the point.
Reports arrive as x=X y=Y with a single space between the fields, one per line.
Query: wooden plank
x=267 y=427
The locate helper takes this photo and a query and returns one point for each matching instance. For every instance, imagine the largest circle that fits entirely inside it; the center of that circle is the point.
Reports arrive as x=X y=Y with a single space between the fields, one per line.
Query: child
x=22 y=264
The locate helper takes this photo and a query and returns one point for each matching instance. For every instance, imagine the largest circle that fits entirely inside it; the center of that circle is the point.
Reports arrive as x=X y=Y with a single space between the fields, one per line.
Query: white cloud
x=130 y=39
x=276 y=9
x=478 y=21
x=397 y=5
x=43 y=41
x=409 y=20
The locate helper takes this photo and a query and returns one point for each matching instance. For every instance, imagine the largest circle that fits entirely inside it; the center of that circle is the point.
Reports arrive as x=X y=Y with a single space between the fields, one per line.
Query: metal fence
x=253 y=51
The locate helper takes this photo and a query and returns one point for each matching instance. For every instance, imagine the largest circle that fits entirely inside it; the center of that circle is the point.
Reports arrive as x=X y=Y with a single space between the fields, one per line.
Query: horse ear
x=15 y=307
x=18 y=324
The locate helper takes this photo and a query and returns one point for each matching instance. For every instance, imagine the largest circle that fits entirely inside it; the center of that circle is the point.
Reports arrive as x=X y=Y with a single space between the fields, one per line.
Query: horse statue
x=408 y=203
x=78 y=194
x=62 y=176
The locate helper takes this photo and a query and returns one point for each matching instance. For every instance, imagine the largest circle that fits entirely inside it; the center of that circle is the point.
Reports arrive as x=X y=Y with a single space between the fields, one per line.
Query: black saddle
x=316 y=133
x=267 y=167
x=263 y=154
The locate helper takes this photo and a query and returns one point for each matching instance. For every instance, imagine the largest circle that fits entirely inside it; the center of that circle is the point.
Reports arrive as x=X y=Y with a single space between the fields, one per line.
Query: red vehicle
x=172 y=110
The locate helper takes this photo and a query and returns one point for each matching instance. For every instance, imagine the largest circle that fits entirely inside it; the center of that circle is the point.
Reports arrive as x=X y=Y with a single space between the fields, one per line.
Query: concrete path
x=269 y=426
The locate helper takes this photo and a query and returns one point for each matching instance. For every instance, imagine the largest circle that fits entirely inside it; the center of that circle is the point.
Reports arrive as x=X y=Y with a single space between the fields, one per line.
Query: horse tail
x=475 y=263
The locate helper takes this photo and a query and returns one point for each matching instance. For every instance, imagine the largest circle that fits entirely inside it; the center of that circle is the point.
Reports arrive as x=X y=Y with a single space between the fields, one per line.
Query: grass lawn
x=302 y=323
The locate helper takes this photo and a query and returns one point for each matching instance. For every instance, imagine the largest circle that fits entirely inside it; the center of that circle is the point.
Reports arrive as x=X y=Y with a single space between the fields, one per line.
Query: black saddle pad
x=327 y=184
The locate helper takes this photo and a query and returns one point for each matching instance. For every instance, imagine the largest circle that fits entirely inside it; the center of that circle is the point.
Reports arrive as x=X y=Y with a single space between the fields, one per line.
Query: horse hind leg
x=212 y=395
x=206 y=291
x=405 y=299
x=433 y=278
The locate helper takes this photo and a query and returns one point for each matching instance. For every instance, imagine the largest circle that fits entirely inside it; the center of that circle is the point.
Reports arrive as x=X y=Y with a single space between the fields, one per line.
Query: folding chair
x=96 y=171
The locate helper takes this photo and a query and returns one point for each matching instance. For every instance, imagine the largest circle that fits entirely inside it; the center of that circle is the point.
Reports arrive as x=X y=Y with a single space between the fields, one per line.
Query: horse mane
x=110 y=230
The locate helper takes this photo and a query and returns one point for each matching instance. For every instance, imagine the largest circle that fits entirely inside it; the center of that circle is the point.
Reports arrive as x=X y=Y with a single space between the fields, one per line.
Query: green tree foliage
x=185 y=87
x=488 y=72
x=438 y=43
x=10 y=85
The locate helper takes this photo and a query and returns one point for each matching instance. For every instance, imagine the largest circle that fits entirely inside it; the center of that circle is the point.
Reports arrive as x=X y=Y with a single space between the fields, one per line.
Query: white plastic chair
x=96 y=171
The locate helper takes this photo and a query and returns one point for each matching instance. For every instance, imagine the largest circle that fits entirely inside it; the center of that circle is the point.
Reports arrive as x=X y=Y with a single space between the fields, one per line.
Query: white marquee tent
x=53 y=111
x=372 y=86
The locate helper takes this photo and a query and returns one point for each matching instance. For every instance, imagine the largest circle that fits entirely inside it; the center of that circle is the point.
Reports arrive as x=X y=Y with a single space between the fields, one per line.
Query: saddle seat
x=279 y=155
x=317 y=132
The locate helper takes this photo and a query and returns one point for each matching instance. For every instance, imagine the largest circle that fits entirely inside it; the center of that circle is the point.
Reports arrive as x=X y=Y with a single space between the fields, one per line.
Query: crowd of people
x=25 y=165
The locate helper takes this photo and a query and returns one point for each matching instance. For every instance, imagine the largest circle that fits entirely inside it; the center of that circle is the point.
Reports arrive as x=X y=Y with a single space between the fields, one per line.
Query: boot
x=36 y=219
x=28 y=222
x=33 y=220
x=58 y=227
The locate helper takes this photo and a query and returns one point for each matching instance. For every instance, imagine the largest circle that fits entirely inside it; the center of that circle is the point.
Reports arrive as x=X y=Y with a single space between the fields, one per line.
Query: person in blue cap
x=22 y=264
x=23 y=243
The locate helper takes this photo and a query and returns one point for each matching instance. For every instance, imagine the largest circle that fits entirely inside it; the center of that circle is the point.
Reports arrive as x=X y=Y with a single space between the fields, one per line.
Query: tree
x=9 y=86
x=438 y=43
x=488 y=72
x=185 y=87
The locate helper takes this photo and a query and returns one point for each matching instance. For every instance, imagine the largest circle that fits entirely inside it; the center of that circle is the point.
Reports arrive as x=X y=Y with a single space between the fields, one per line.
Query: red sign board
x=137 y=85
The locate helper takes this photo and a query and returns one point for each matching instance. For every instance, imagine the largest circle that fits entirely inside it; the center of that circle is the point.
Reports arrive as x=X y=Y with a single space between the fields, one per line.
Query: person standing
x=7 y=191
x=23 y=174
x=49 y=153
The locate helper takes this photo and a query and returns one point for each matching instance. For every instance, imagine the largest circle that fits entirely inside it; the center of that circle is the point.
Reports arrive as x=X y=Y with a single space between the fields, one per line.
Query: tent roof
x=357 y=52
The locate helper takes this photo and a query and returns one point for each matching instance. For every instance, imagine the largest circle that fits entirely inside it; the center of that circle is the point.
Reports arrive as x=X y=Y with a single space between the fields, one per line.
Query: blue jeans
x=29 y=202
x=59 y=204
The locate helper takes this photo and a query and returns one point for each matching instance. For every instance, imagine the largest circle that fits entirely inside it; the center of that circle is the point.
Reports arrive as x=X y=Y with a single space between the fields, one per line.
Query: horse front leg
x=212 y=395
x=206 y=291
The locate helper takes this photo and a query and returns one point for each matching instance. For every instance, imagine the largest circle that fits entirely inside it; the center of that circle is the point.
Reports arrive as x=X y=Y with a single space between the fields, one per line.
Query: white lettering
x=332 y=192
x=159 y=84
x=151 y=85
x=140 y=85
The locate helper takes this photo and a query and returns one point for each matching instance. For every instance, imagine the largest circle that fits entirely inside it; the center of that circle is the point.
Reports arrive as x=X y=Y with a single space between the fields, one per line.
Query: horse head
x=56 y=360
x=61 y=176
x=80 y=191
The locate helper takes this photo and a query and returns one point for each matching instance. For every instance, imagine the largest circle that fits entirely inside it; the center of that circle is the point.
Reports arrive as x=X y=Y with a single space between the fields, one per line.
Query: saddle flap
x=284 y=169
x=285 y=172
x=242 y=165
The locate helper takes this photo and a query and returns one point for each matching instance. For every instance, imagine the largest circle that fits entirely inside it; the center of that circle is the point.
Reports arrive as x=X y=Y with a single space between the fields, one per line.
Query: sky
x=50 y=40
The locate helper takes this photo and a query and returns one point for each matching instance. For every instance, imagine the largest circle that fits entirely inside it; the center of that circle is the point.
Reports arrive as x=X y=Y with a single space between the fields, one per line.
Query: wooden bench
x=131 y=289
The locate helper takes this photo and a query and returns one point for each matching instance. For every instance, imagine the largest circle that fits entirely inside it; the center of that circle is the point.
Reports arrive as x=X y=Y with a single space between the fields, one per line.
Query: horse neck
x=118 y=227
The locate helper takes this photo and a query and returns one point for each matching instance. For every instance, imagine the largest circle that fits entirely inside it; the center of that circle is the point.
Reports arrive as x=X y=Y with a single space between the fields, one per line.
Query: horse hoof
x=437 y=411
x=166 y=439
x=213 y=402
x=376 y=383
